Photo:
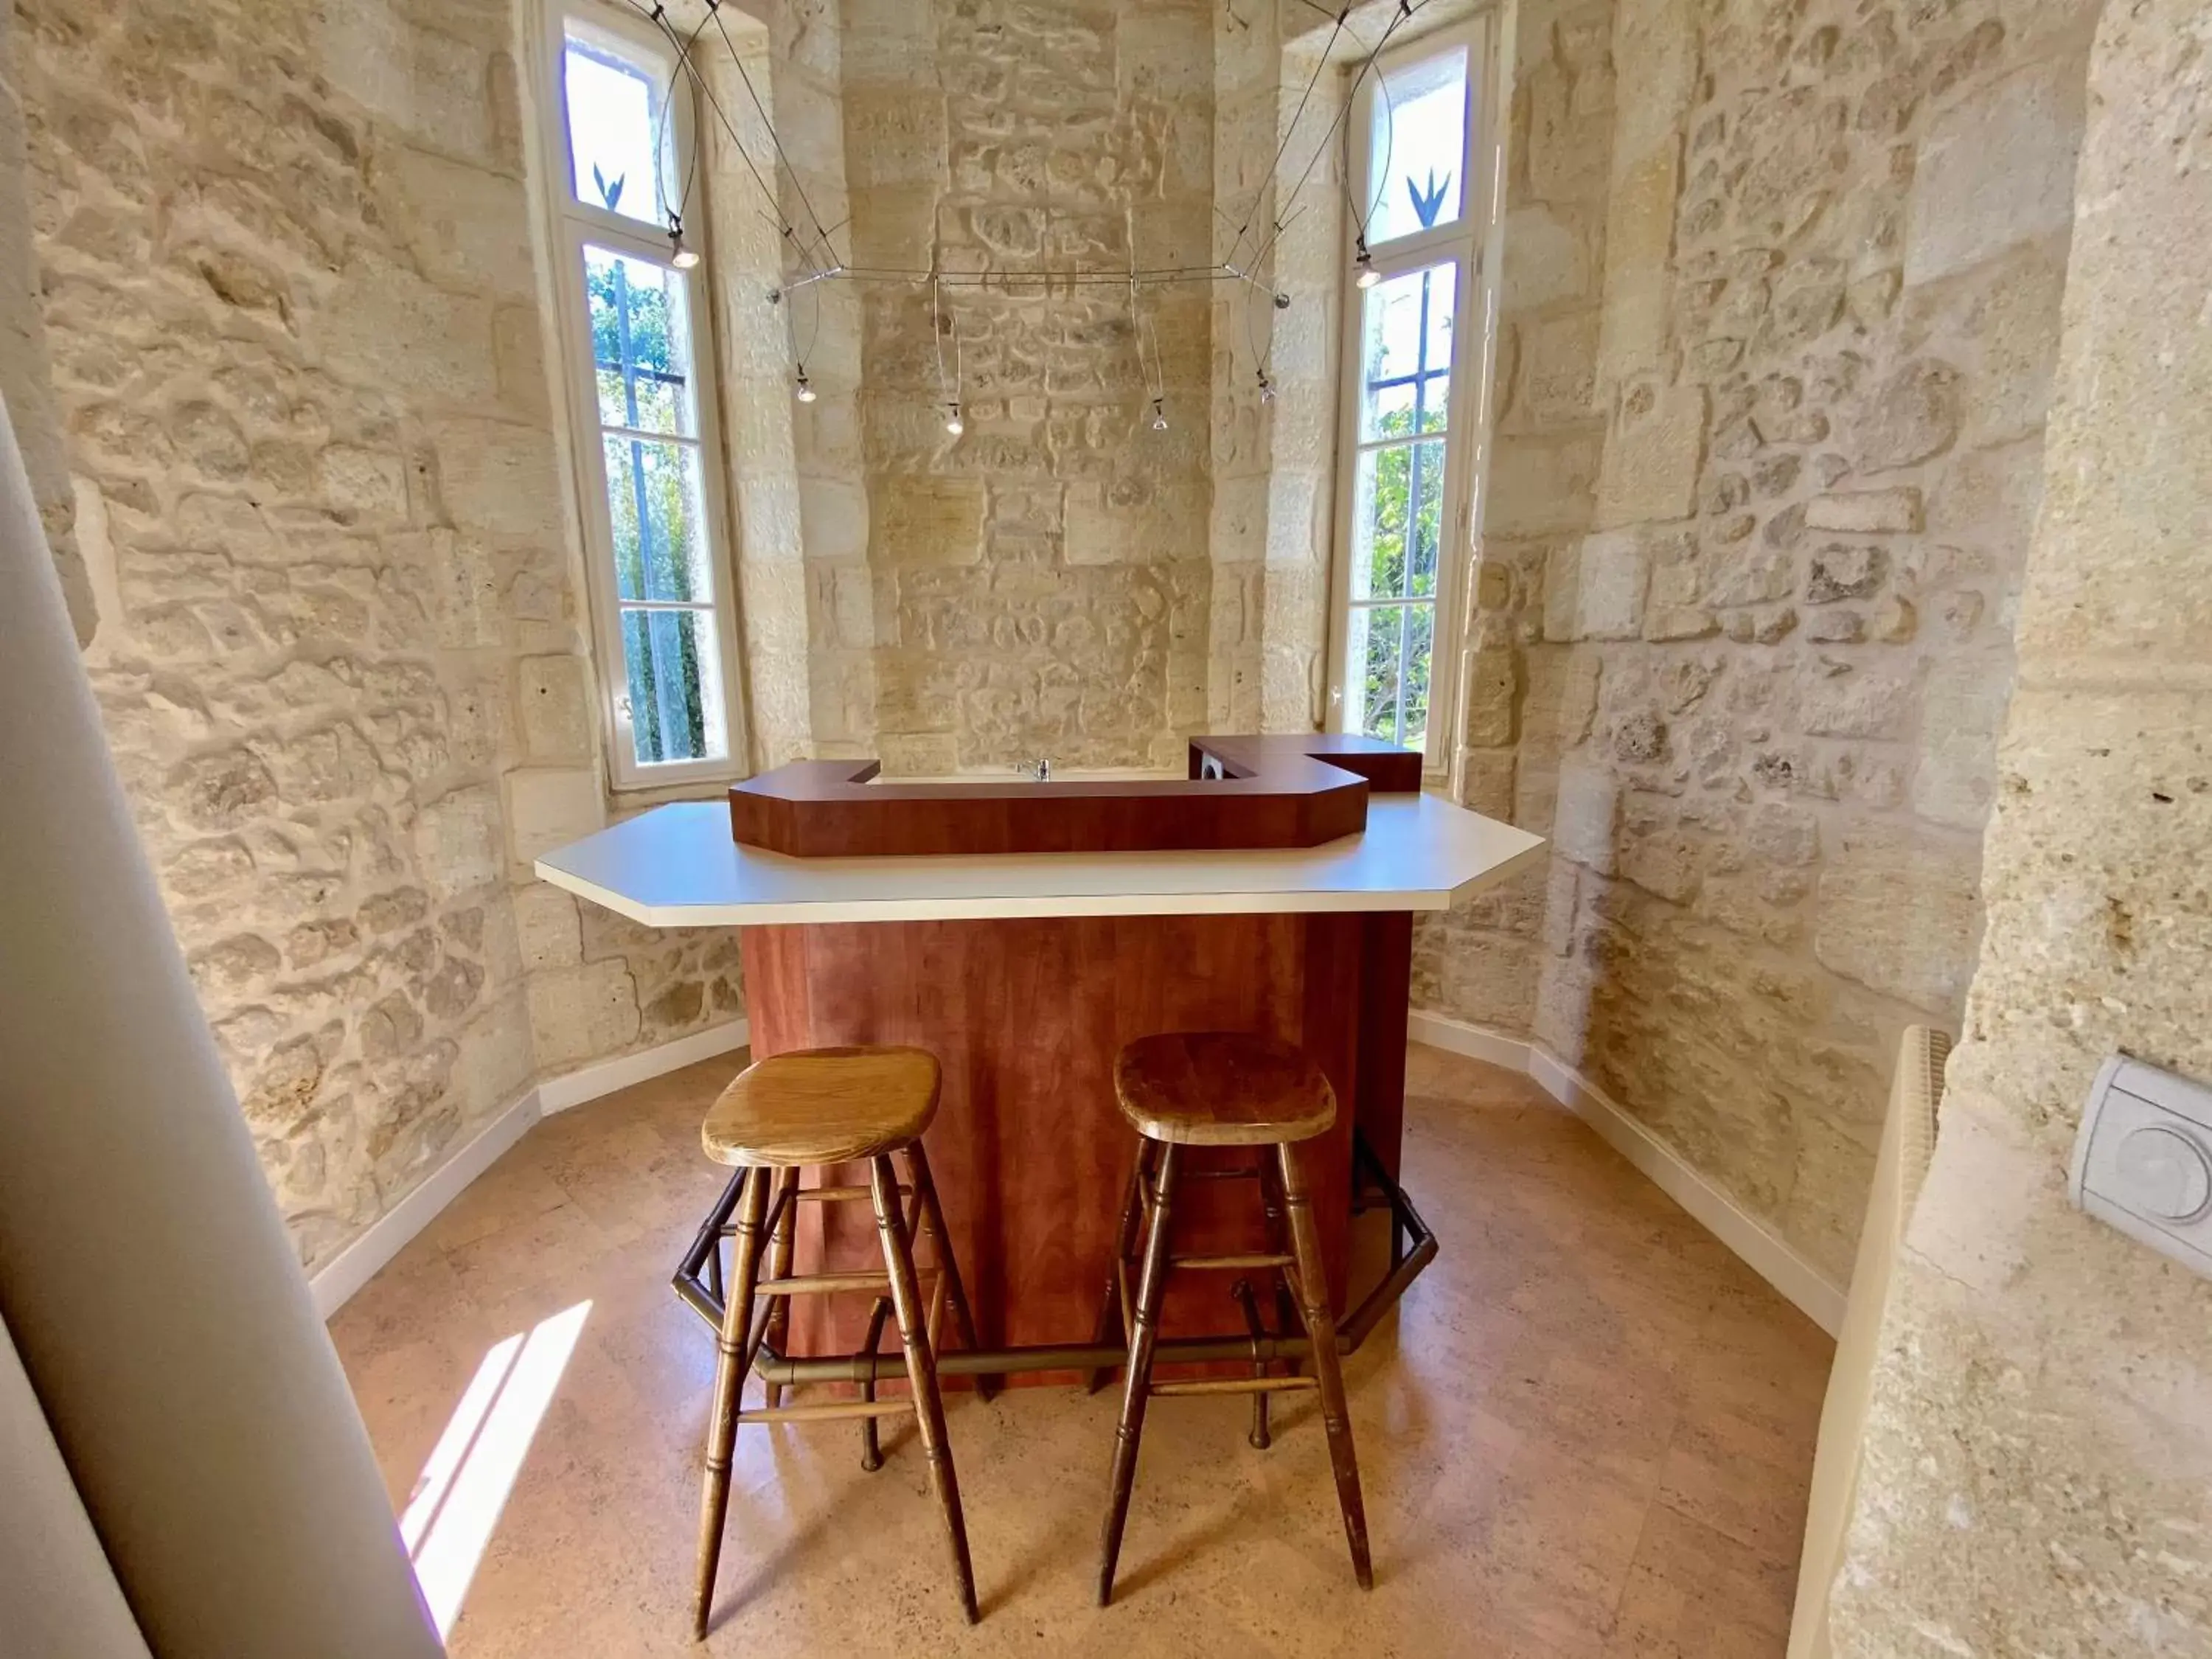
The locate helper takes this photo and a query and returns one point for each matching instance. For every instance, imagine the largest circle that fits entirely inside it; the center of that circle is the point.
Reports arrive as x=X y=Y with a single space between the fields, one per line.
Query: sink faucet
x=1038 y=771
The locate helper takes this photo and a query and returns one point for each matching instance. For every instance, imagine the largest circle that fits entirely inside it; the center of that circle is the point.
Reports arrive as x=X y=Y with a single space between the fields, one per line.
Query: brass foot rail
x=697 y=1283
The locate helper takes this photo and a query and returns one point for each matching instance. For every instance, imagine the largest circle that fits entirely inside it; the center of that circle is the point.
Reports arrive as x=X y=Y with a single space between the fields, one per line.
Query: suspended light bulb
x=1159 y=415
x=681 y=253
x=953 y=424
x=806 y=388
x=1363 y=263
x=1267 y=388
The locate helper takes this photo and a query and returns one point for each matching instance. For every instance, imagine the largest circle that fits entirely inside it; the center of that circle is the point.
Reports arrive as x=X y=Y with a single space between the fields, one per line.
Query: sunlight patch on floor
x=458 y=1498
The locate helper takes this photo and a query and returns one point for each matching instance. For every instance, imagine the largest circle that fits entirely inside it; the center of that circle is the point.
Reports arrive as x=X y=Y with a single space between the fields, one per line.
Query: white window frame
x=575 y=224
x=1471 y=241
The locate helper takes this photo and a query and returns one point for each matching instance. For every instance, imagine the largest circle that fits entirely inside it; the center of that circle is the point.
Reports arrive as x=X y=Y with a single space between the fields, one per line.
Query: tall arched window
x=637 y=345
x=1419 y=314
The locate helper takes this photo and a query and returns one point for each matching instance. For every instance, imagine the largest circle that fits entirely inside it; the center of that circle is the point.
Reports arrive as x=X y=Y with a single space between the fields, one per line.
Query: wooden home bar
x=1022 y=932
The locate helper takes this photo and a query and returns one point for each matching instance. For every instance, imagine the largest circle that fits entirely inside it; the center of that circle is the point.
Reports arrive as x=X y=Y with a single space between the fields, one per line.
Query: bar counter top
x=676 y=867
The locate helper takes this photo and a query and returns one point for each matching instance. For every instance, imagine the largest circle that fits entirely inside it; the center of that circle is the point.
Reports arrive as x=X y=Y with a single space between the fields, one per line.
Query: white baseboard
x=338 y=1278
x=1762 y=1249
x=559 y=1094
x=1766 y=1252
x=336 y=1281
x=1459 y=1037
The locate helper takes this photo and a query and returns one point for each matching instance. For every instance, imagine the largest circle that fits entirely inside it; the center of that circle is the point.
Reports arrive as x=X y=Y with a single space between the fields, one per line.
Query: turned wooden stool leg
x=1136 y=1383
x=1241 y=1292
x=1124 y=1240
x=1271 y=1199
x=872 y=1451
x=1320 y=1332
x=778 y=1331
x=729 y=1383
x=948 y=1262
x=921 y=1369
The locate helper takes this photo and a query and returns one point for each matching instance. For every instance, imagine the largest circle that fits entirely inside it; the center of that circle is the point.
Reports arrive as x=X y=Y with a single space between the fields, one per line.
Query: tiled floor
x=1590 y=1432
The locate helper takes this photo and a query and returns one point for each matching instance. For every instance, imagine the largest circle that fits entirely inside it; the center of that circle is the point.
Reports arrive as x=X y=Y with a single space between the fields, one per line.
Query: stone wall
x=1040 y=582
x=1524 y=705
x=2039 y=1472
x=25 y=380
x=1762 y=517
x=806 y=591
x=1280 y=84
x=295 y=327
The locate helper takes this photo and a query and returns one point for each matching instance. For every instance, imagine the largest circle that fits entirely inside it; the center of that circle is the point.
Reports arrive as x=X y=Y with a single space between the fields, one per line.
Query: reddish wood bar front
x=1028 y=1148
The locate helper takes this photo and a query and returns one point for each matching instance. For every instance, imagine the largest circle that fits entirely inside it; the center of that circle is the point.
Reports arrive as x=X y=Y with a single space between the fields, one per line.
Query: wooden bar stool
x=816 y=1107
x=1224 y=1089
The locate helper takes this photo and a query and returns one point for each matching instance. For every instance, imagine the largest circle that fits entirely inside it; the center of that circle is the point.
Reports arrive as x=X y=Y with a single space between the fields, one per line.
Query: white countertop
x=676 y=867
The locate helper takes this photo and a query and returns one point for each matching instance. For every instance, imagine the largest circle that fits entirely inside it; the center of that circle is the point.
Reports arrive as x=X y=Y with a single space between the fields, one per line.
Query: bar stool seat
x=1186 y=1089
x=822 y=1106
x=828 y=1106
x=1221 y=1089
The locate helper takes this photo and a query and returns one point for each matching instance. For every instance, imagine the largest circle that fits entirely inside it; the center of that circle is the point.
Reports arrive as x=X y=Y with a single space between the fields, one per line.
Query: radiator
x=1908 y=1141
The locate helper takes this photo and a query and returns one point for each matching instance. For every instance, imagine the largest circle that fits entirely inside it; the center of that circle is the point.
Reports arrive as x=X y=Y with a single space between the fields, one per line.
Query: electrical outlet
x=2143 y=1159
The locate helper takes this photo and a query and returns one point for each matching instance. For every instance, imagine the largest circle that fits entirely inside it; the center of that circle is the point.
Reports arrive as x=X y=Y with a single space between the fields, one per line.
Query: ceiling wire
x=668 y=105
x=1260 y=195
x=827 y=265
x=1406 y=11
x=1365 y=216
x=656 y=15
x=715 y=11
x=948 y=392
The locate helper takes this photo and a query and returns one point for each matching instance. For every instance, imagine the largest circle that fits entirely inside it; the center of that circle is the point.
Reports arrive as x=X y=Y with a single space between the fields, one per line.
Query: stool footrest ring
x=828 y=1411
x=1237 y=1385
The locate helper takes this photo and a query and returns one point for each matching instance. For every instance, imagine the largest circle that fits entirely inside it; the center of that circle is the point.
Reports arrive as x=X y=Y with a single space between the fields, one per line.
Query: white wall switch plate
x=2143 y=1159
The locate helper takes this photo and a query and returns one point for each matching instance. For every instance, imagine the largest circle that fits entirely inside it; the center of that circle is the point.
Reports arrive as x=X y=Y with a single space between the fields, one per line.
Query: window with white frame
x=640 y=360
x=1423 y=167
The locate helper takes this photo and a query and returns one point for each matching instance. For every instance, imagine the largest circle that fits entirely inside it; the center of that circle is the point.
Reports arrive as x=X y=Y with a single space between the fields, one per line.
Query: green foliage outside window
x=652 y=501
x=1397 y=507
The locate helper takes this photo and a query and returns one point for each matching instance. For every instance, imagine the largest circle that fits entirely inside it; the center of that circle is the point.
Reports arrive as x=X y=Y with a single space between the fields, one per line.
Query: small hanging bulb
x=1267 y=388
x=953 y=424
x=1363 y=263
x=1159 y=415
x=806 y=388
x=681 y=253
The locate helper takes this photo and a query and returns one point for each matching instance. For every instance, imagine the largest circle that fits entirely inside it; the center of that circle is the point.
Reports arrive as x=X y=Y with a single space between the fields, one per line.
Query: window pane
x=1419 y=147
x=1378 y=525
x=617 y=126
x=675 y=680
x=659 y=524
x=1421 y=629
x=1377 y=633
x=641 y=343
x=1390 y=651
x=1405 y=352
x=1424 y=515
x=1398 y=497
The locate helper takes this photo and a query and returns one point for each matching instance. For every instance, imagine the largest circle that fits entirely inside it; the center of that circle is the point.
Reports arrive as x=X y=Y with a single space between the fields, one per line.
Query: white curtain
x=58 y=1594
x=165 y=1354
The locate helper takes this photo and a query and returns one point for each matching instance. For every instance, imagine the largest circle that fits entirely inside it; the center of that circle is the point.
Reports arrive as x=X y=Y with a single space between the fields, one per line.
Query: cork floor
x=1589 y=1433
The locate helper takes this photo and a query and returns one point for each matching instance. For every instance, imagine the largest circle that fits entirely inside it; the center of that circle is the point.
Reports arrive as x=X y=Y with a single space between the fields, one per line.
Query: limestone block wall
x=294 y=324
x=1282 y=89
x=1523 y=705
x=1247 y=62
x=1753 y=692
x=797 y=472
x=24 y=379
x=1039 y=583
x=2039 y=1473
